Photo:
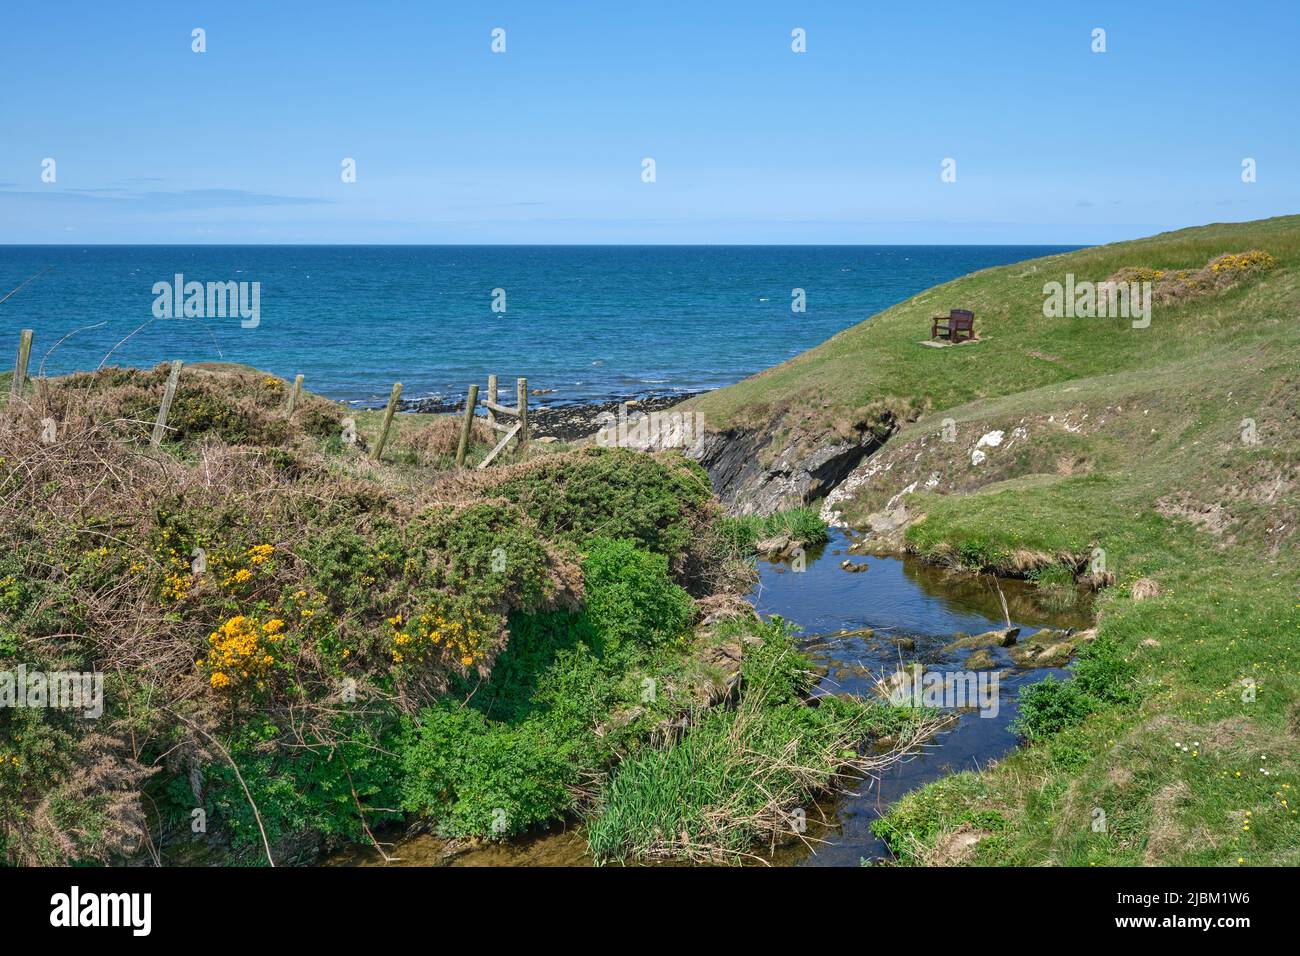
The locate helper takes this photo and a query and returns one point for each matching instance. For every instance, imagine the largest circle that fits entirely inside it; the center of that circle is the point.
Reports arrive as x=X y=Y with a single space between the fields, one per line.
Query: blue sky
x=544 y=143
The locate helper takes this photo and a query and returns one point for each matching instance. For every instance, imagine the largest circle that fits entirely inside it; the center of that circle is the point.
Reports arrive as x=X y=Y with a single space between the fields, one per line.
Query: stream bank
x=858 y=628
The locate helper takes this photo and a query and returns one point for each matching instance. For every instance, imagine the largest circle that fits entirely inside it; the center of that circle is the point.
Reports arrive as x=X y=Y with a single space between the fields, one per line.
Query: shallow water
x=894 y=598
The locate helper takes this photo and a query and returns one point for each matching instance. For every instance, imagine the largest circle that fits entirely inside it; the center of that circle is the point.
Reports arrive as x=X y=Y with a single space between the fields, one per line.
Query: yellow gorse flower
x=176 y=586
x=460 y=637
x=239 y=651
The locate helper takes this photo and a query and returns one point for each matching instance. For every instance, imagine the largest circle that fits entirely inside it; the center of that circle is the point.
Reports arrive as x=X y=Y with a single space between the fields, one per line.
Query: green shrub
x=302 y=789
x=537 y=642
x=510 y=757
x=772 y=667
x=1050 y=706
x=477 y=777
x=1105 y=674
x=630 y=598
x=1102 y=677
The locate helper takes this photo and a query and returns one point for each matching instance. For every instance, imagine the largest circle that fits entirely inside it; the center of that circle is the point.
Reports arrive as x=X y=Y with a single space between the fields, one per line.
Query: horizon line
x=543 y=245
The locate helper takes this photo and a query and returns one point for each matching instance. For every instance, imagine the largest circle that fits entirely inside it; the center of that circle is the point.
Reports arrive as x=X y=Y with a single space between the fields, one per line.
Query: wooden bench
x=956 y=325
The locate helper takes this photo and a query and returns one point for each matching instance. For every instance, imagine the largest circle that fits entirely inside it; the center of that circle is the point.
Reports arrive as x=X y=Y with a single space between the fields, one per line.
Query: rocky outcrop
x=884 y=529
x=795 y=474
x=947 y=456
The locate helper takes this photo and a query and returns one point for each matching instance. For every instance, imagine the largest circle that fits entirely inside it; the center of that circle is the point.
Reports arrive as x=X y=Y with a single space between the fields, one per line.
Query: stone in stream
x=1000 y=638
x=777 y=548
x=847 y=565
x=981 y=660
x=864 y=633
x=1047 y=648
x=899 y=682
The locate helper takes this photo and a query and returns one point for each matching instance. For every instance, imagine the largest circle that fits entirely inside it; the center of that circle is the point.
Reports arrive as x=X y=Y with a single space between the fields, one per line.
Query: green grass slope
x=1173 y=453
x=879 y=363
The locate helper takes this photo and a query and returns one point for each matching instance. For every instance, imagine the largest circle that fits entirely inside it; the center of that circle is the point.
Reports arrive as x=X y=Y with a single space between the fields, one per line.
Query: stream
x=859 y=626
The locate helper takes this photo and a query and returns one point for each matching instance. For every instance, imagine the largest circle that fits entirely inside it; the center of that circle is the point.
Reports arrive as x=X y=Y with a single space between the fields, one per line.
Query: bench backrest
x=962 y=318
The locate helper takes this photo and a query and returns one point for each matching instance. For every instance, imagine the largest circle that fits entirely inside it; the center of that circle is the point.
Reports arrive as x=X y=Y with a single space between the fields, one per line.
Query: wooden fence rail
x=518 y=431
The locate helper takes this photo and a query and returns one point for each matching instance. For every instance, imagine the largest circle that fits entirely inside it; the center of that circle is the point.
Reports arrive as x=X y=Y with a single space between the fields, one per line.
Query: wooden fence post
x=20 y=366
x=467 y=423
x=169 y=393
x=492 y=399
x=294 y=392
x=388 y=420
x=522 y=393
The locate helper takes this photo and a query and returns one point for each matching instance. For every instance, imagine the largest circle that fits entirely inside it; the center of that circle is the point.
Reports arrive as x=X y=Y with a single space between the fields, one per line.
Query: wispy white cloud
x=154 y=200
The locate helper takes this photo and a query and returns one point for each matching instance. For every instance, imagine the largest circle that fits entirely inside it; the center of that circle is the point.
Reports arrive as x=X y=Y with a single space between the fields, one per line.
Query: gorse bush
x=659 y=501
x=307 y=621
x=491 y=551
x=239 y=406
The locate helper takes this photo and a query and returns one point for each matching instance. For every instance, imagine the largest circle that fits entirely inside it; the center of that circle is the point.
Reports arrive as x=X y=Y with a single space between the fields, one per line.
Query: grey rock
x=1000 y=638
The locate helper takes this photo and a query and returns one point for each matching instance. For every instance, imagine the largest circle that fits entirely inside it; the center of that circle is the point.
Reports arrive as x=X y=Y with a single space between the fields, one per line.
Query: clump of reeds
x=749 y=777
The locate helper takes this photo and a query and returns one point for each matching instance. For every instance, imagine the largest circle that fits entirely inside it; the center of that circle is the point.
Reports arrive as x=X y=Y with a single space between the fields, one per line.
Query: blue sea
x=589 y=323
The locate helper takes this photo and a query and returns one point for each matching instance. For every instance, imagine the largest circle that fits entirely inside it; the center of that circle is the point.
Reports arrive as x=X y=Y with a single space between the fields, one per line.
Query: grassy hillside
x=879 y=363
x=1168 y=454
